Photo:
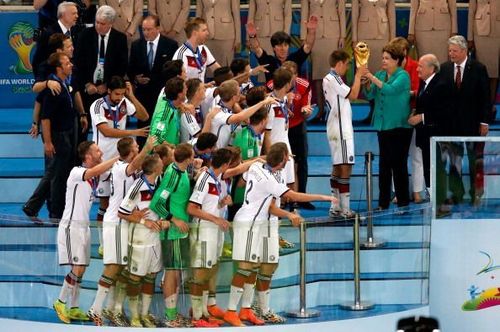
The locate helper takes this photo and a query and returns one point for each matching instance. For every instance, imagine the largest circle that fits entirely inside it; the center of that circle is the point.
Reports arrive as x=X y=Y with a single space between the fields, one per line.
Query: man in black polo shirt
x=59 y=117
x=280 y=41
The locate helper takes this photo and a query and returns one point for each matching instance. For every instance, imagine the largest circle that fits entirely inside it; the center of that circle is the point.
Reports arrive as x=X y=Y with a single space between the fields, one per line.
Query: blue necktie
x=150 y=56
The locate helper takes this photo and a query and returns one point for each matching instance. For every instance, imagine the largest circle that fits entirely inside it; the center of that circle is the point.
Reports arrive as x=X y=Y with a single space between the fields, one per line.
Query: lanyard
x=252 y=131
x=226 y=109
x=204 y=156
x=268 y=167
x=284 y=108
x=150 y=187
x=197 y=55
x=65 y=84
x=210 y=171
x=113 y=110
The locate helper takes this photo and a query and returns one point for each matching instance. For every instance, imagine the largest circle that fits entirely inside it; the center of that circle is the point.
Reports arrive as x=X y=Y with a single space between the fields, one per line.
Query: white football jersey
x=195 y=61
x=79 y=196
x=221 y=127
x=262 y=186
x=207 y=193
x=115 y=116
x=139 y=197
x=339 y=122
x=277 y=122
x=120 y=184
x=190 y=125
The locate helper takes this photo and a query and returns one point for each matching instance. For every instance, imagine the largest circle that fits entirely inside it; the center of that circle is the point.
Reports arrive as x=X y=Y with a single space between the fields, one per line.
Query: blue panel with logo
x=18 y=47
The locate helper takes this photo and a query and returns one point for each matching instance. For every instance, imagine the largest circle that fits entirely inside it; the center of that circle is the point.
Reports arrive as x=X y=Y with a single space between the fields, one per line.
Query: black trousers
x=52 y=186
x=393 y=146
x=298 y=142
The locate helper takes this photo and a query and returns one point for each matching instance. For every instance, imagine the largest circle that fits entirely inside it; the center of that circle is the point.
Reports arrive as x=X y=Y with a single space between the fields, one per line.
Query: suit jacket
x=173 y=14
x=128 y=14
x=42 y=46
x=139 y=65
x=373 y=20
x=484 y=19
x=223 y=18
x=115 y=61
x=331 y=18
x=434 y=104
x=428 y=15
x=270 y=16
x=471 y=102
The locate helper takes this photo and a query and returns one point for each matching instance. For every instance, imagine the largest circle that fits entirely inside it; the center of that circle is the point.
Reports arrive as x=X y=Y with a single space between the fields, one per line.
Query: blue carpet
x=328 y=313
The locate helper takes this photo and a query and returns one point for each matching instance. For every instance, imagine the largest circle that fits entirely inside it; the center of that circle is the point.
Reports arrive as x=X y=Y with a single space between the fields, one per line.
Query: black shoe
x=307 y=206
x=29 y=213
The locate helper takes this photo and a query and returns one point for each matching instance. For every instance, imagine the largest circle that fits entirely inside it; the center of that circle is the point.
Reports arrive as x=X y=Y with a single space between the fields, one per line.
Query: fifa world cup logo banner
x=21 y=40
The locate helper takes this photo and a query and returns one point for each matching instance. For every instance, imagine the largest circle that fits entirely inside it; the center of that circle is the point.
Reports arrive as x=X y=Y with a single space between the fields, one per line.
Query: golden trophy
x=361 y=54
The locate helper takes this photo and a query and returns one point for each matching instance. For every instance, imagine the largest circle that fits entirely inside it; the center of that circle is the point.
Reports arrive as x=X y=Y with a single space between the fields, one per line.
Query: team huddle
x=168 y=205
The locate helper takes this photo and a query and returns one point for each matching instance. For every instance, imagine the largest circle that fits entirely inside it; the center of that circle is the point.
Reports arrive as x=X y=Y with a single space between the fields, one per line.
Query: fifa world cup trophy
x=361 y=54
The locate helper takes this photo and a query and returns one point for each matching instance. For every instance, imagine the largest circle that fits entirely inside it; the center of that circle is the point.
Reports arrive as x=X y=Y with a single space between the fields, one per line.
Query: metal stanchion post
x=303 y=312
x=357 y=305
x=370 y=241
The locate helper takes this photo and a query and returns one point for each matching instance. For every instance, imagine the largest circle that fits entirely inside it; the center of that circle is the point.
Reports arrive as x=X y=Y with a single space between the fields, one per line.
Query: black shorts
x=175 y=253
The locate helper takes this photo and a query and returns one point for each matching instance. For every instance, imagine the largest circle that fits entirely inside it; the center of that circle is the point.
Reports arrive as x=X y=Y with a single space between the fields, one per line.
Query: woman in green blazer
x=390 y=89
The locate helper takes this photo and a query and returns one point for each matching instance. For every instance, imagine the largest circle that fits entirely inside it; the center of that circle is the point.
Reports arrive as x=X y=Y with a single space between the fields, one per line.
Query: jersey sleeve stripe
x=136 y=189
x=124 y=211
x=98 y=105
x=203 y=182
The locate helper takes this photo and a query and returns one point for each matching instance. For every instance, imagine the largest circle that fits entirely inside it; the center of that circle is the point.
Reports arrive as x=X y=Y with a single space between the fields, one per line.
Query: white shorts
x=206 y=245
x=104 y=185
x=247 y=241
x=115 y=242
x=289 y=171
x=144 y=251
x=270 y=242
x=73 y=243
x=342 y=152
x=341 y=143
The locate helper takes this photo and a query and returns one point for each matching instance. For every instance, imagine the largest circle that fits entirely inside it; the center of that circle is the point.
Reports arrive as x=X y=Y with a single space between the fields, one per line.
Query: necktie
x=102 y=49
x=150 y=55
x=422 y=88
x=68 y=33
x=458 y=77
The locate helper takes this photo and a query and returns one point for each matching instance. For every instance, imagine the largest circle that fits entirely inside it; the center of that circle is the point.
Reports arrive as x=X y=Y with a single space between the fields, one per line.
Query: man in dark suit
x=431 y=114
x=471 y=110
x=101 y=53
x=67 y=14
x=147 y=57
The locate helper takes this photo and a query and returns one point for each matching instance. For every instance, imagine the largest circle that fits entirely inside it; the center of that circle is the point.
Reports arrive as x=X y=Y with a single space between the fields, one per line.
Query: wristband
x=169 y=217
x=83 y=114
x=251 y=37
x=34 y=123
x=142 y=222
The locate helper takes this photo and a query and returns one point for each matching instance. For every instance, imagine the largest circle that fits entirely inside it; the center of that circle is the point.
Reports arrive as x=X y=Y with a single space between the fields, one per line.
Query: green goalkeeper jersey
x=171 y=199
x=250 y=144
x=165 y=124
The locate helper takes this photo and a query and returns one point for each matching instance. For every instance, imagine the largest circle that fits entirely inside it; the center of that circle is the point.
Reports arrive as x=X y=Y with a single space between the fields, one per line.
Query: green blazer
x=392 y=101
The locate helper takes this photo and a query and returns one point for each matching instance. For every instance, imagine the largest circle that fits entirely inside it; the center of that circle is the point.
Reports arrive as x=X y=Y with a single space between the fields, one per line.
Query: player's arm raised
x=99 y=169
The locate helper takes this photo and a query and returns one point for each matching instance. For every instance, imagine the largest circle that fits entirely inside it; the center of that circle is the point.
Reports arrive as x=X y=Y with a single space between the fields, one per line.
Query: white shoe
x=334 y=211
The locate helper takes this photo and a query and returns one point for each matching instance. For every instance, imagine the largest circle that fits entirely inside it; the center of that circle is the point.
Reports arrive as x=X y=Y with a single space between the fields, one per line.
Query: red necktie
x=458 y=77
